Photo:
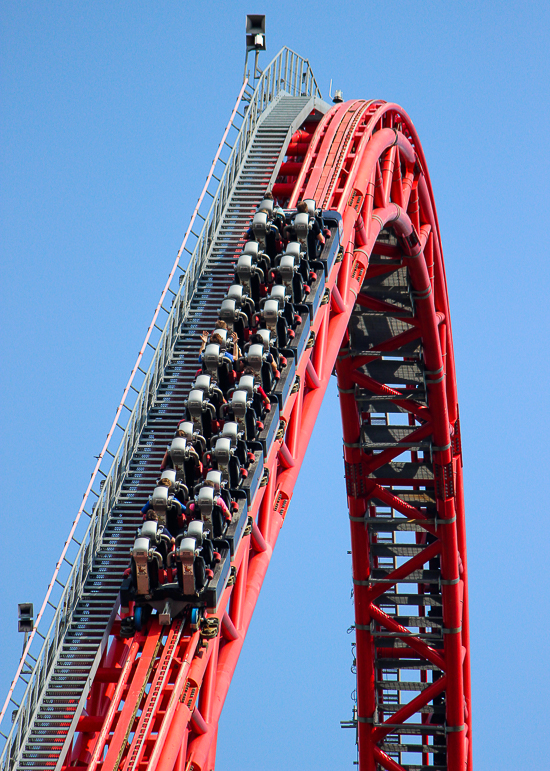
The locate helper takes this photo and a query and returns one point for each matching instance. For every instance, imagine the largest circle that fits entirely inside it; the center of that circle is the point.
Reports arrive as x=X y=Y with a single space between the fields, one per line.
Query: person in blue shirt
x=217 y=339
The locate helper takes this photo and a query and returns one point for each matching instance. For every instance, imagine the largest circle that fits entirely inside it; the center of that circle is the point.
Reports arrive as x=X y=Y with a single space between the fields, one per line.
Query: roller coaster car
x=255 y=358
x=200 y=412
x=242 y=301
x=167 y=507
x=272 y=318
x=201 y=567
x=217 y=364
x=231 y=431
x=260 y=258
x=235 y=319
x=287 y=274
x=256 y=433
x=185 y=460
x=147 y=559
x=177 y=487
x=259 y=227
x=241 y=410
x=210 y=512
x=191 y=563
x=267 y=342
x=250 y=276
x=193 y=437
x=333 y=221
x=247 y=383
x=267 y=203
x=211 y=390
x=215 y=480
x=227 y=461
x=283 y=297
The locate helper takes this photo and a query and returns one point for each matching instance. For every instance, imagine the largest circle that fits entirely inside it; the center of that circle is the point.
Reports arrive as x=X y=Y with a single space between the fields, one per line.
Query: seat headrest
x=187 y=547
x=211 y=356
x=235 y=292
x=246 y=383
x=301 y=225
x=251 y=248
x=169 y=473
x=195 y=530
x=239 y=405
x=278 y=293
x=259 y=223
x=267 y=203
x=222 y=333
x=222 y=450
x=187 y=429
x=271 y=309
x=206 y=495
x=287 y=261
x=141 y=547
x=160 y=496
x=195 y=402
x=202 y=383
x=149 y=530
x=255 y=355
x=177 y=450
x=311 y=205
x=231 y=430
x=293 y=248
x=216 y=477
x=265 y=334
x=287 y=269
x=227 y=310
x=244 y=265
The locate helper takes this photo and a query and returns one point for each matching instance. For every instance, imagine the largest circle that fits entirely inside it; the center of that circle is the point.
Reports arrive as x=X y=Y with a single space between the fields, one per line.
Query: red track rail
x=165 y=690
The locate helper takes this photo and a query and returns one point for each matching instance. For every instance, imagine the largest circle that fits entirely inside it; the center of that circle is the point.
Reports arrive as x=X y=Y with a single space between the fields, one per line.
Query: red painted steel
x=364 y=160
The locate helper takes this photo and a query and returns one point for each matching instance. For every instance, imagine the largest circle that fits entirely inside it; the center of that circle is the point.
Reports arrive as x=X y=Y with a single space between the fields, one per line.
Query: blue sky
x=111 y=115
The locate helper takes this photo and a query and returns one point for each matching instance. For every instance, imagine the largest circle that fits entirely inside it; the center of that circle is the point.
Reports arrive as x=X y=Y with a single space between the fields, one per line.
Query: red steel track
x=164 y=689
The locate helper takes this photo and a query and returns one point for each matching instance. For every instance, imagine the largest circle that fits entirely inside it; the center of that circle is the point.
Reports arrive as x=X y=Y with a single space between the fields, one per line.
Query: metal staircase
x=56 y=695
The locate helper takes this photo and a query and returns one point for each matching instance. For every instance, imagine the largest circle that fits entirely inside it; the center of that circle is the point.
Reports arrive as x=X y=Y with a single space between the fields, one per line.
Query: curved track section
x=377 y=315
x=402 y=450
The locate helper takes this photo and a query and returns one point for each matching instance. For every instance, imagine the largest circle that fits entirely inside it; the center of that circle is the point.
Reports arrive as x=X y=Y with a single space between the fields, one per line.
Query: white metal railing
x=287 y=73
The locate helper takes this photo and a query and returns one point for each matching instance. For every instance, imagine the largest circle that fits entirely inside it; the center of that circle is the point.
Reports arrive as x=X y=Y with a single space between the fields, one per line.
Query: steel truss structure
x=379 y=319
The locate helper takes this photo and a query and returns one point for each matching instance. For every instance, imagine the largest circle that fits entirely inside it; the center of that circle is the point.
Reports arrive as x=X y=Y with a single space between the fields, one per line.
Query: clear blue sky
x=111 y=114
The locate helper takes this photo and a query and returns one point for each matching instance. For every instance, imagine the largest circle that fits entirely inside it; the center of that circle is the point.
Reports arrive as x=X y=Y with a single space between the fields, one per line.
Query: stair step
x=391 y=473
x=375 y=437
x=418 y=498
x=395 y=685
x=369 y=402
x=411 y=599
x=394 y=371
x=416 y=577
x=406 y=664
x=395 y=550
x=388 y=525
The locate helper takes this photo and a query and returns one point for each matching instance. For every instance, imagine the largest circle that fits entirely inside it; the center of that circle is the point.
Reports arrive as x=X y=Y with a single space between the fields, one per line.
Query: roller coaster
x=172 y=542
